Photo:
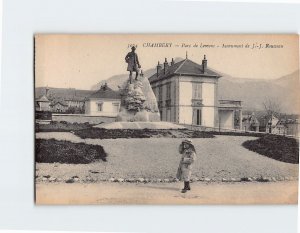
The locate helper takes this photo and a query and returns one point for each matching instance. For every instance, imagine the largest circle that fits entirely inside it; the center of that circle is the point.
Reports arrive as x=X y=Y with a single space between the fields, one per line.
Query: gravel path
x=217 y=158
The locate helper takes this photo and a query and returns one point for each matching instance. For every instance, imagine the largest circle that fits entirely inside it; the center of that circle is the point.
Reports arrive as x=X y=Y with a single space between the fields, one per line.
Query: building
x=271 y=123
x=291 y=123
x=42 y=104
x=250 y=122
x=104 y=102
x=59 y=106
x=187 y=93
x=75 y=102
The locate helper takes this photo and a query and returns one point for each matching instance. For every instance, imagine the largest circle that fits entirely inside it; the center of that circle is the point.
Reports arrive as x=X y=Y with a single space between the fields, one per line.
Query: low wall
x=217 y=129
x=82 y=118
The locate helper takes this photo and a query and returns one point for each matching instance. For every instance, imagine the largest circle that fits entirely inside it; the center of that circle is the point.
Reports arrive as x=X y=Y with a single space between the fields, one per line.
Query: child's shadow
x=165 y=188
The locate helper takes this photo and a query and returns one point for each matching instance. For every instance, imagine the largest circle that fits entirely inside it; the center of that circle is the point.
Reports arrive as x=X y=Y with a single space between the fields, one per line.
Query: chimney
x=103 y=86
x=172 y=62
x=204 y=64
x=166 y=65
x=47 y=90
x=158 y=68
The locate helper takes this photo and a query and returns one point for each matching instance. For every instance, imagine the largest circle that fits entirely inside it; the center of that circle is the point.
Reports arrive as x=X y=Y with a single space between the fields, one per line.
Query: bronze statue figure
x=133 y=63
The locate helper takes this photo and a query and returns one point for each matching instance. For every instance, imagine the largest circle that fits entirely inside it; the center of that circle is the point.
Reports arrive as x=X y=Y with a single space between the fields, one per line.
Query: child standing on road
x=187 y=149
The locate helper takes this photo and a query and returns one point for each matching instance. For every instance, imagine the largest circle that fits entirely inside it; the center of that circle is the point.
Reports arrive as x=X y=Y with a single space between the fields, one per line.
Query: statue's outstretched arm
x=127 y=57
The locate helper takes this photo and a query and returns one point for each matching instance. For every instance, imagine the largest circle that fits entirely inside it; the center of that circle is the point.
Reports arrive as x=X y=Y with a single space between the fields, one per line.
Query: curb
x=89 y=179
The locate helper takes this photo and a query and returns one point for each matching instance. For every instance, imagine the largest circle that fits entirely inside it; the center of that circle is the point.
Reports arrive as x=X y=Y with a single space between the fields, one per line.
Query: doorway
x=169 y=115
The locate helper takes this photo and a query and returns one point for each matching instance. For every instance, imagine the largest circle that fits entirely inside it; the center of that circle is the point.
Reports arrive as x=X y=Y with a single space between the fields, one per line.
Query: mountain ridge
x=252 y=92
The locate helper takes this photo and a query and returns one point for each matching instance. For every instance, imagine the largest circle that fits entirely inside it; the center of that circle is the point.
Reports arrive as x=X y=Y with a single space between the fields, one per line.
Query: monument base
x=143 y=115
x=138 y=102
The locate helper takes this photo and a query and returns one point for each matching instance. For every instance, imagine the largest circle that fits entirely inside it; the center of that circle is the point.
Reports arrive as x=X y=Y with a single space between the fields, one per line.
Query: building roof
x=184 y=67
x=263 y=118
x=59 y=102
x=105 y=93
x=63 y=93
x=43 y=99
x=76 y=98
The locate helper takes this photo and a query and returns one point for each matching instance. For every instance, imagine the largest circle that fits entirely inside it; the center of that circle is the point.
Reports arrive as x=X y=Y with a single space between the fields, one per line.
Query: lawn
x=98 y=133
x=54 y=151
x=61 y=126
x=276 y=147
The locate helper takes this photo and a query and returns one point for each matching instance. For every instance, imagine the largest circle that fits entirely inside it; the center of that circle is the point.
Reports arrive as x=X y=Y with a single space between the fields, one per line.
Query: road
x=167 y=193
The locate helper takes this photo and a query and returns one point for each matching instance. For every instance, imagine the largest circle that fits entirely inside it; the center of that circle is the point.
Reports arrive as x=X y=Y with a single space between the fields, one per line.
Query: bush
x=61 y=126
x=43 y=115
x=54 y=151
x=276 y=147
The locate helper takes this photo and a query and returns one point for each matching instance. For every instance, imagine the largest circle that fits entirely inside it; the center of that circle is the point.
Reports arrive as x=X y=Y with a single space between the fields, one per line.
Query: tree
x=272 y=106
x=273 y=109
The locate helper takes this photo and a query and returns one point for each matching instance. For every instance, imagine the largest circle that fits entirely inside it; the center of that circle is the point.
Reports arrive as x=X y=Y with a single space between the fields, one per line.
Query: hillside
x=253 y=92
x=63 y=93
x=117 y=80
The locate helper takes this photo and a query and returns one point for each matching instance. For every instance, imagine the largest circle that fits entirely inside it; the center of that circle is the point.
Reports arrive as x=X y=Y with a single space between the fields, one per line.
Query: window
x=197 y=89
x=160 y=93
x=100 y=107
x=116 y=107
x=197 y=115
x=168 y=91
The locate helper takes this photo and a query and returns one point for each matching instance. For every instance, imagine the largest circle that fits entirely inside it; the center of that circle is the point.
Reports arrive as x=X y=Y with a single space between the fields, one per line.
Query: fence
x=217 y=129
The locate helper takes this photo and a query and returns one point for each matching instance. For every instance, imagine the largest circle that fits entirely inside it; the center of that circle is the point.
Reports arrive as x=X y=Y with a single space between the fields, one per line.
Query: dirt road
x=167 y=193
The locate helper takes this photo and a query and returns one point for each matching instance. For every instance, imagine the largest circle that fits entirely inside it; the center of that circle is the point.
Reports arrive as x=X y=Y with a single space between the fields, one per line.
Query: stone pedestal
x=138 y=102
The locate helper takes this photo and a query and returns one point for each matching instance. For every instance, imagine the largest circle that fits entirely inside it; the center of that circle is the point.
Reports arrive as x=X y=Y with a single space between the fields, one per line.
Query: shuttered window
x=100 y=107
x=197 y=91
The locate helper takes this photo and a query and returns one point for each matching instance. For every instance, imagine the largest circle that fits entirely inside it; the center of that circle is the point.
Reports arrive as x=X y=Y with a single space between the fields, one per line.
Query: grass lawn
x=61 y=126
x=276 y=147
x=98 y=133
x=54 y=151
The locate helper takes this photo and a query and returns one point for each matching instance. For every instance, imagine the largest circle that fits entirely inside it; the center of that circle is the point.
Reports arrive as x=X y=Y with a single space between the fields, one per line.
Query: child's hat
x=188 y=141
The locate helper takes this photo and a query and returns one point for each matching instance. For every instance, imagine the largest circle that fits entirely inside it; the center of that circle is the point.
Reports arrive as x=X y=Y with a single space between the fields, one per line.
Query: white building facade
x=187 y=93
x=104 y=102
x=43 y=104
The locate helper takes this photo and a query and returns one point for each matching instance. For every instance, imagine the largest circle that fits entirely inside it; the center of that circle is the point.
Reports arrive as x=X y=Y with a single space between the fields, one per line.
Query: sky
x=81 y=61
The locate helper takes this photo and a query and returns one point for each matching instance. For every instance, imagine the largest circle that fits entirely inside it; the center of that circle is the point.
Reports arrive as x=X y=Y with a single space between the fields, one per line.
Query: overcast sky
x=81 y=61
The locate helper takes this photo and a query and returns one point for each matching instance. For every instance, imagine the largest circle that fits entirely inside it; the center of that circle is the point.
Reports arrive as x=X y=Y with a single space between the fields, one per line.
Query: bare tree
x=272 y=106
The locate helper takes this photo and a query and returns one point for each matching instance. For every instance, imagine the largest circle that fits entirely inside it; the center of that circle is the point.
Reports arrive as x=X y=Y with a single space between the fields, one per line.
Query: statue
x=133 y=63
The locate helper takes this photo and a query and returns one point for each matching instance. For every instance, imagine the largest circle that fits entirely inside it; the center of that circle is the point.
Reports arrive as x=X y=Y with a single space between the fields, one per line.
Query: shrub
x=276 y=147
x=54 y=151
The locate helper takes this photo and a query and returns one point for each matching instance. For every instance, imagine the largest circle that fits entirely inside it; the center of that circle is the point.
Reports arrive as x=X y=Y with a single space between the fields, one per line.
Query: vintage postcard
x=166 y=119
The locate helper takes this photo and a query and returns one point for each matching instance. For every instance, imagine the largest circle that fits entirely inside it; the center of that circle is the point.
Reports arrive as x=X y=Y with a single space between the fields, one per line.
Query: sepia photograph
x=182 y=119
